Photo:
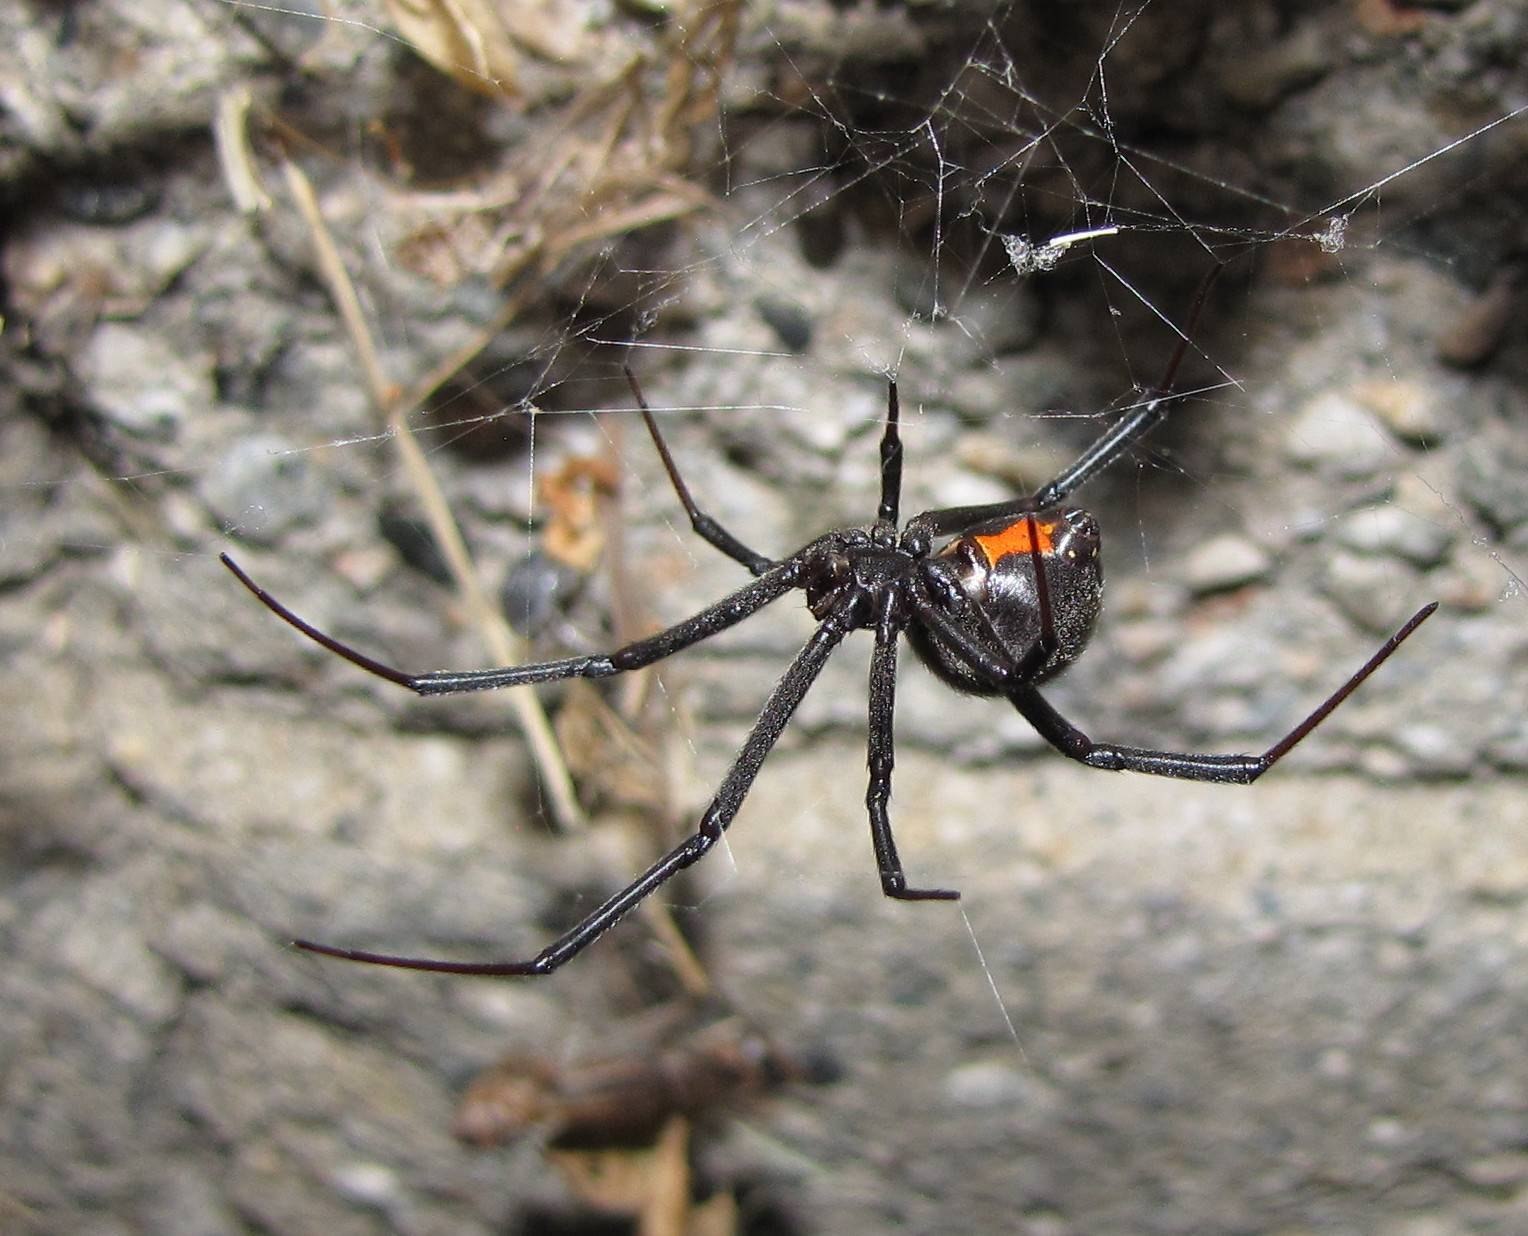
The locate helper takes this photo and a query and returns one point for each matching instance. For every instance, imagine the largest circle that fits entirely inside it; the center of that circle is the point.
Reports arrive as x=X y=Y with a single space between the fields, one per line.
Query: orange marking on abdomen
x=1014 y=539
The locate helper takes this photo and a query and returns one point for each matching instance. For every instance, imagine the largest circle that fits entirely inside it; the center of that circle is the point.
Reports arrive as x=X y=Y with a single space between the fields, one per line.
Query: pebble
x=1368 y=590
x=1434 y=750
x=1473 y=583
x=791 y=322
x=1497 y=1171
x=367 y=1184
x=1334 y=433
x=262 y=487
x=1388 y=531
x=99 y=940
x=1493 y=475
x=1509 y=751
x=1224 y=562
x=998 y=320
x=1407 y=409
x=987 y=1084
x=1145 y=640
x=141 y=382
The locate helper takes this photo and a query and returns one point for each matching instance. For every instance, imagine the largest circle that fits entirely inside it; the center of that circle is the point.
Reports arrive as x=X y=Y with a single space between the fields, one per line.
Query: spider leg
x=782 y=702
x=705 y=527
x=1231 y=769
x=1137 y=422
x=988 y=660
x=883 y=681
x=1109 y=446
x=891 y=459
x=725 y=613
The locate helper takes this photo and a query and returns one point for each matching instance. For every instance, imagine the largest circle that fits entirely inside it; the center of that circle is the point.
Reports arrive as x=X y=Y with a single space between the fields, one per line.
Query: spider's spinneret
x=993 y=568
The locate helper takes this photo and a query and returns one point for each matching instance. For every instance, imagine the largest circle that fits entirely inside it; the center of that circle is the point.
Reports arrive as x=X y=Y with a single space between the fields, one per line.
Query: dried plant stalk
x=502 y=645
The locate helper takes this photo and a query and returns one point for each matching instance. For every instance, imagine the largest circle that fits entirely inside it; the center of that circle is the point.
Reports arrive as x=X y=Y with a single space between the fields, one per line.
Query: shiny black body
x=993 y=598
x=991 y=566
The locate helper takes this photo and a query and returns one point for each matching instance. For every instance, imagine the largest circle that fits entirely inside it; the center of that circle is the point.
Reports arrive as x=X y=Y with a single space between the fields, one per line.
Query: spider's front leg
x=727 y=612
x=704 y=525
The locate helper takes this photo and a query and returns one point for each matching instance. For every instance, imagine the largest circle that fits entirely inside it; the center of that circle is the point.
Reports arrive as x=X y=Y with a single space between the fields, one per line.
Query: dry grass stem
x=502 y=645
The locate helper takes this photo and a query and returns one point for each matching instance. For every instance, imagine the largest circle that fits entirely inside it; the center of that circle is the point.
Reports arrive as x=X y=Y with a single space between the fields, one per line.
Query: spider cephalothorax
x=995 y=599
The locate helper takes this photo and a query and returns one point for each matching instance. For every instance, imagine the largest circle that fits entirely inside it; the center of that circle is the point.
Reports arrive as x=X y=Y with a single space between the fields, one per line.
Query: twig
x=395 y=409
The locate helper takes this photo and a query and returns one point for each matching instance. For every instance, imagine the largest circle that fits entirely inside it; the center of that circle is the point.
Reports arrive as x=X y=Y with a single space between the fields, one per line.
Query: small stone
x=1333 y=433
x=204 y=942
x=141 y=382
x=1014 y=463
x=998 y=320
x=1335 y=1064
x=1406 y=408
x=98 y=940
x=1509 y=751
x=1145 y=640
x=262 y=487
x=1390 y=531
x=989 y=1084
x=1435 y=750
x=1494 y=476
x=1367 y=590
x=1497 y=1171
x=790 y=321
x=1224 y=562
x=367 y=1184
x=1473 y=583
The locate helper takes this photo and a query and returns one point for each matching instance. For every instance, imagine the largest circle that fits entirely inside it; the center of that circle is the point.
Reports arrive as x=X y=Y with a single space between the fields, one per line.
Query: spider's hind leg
x=782 y=703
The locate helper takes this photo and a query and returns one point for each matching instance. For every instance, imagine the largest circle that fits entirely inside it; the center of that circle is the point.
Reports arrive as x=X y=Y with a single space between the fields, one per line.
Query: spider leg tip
x=1417 y=619
x=239 y=573
x=925 y=894
x=323 y=950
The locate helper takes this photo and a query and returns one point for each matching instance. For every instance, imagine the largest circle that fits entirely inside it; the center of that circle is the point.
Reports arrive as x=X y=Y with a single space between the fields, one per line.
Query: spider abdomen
x=993 y=567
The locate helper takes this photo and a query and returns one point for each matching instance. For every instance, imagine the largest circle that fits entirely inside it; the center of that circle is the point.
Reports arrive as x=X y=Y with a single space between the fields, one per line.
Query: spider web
x=1150 y=990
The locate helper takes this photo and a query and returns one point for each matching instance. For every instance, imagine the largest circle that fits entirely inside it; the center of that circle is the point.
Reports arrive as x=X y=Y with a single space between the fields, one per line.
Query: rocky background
x=1159 y=1008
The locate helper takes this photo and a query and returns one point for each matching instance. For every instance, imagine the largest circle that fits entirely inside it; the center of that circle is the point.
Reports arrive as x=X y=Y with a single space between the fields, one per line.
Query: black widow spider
x=1007 y=602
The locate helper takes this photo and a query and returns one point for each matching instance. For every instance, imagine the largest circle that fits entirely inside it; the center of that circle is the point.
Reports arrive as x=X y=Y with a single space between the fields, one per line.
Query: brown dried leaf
x=550 y=29
x=624 y=1100
x=614 y=766
x=463 y=38
x=572 y=496
x=613 y=1181
x=1389 y=17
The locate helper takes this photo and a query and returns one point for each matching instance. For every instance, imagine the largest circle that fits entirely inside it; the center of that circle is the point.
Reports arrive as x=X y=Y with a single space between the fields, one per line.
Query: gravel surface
x=1159 y=1007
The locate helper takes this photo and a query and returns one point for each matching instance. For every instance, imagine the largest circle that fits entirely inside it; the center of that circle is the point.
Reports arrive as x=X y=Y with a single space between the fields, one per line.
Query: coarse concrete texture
x=1160 y=1007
